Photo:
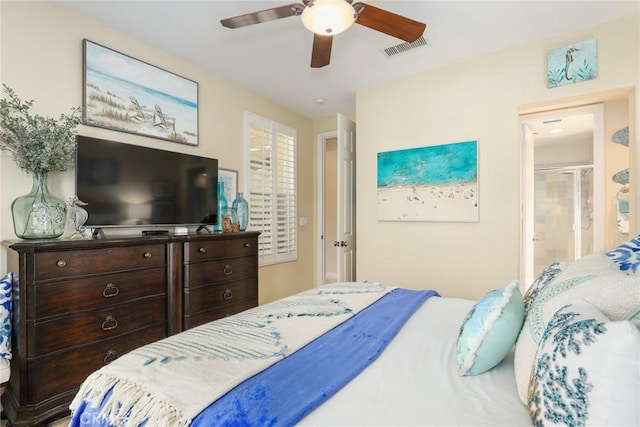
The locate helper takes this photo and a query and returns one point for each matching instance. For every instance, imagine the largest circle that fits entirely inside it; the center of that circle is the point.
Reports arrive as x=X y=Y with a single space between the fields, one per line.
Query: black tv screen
x=130 y=185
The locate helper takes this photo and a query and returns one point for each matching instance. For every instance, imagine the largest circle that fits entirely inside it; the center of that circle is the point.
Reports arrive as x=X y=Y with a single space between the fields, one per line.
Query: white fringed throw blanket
x=171 y=381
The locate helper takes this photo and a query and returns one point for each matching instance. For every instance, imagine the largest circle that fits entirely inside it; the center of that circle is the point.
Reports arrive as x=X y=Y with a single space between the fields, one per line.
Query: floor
x=63 y=422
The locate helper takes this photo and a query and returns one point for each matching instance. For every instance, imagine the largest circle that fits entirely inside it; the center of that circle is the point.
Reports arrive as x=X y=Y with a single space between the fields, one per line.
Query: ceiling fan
x=326 y=18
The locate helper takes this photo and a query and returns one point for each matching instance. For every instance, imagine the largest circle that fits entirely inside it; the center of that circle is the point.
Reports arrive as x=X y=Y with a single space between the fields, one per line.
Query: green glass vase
x=39 y=214
x=241 y=206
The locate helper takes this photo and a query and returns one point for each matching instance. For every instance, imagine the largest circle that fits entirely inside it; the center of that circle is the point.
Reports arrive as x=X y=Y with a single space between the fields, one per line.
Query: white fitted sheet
x=416 y=382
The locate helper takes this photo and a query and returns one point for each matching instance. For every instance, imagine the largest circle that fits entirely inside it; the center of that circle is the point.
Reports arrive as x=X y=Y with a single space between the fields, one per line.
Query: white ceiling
x=564 y=129
x=273 y=58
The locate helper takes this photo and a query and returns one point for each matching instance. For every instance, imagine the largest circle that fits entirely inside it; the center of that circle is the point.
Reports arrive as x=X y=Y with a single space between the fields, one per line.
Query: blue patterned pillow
x=627 y=256
x=490 y=330
x=592 y=278
x=5 y=316
x=586 y=371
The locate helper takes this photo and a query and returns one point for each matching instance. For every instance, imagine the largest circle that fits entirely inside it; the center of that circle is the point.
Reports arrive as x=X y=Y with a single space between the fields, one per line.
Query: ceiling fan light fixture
x=328 y=17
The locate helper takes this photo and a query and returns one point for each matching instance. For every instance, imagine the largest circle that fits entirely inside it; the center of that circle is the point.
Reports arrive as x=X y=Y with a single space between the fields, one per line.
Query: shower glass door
x=563 y=215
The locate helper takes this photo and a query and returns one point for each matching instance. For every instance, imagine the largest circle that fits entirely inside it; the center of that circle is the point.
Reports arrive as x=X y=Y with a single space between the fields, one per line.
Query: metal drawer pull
x=61 y=263
x=110 y=291
x=147 y=255
x=109 y=323
x=247 y=245
x=227 y=270
x=202 y=250
x=110 y=356
x=227 y=295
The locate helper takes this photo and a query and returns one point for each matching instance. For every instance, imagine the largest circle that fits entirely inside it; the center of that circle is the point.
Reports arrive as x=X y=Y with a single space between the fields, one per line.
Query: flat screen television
x=127 y=185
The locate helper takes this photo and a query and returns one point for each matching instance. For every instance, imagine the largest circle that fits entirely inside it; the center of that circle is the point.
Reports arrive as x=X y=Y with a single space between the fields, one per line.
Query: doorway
x=330 y=209
x=336 y=211
x=562 y=187
x=327 y=207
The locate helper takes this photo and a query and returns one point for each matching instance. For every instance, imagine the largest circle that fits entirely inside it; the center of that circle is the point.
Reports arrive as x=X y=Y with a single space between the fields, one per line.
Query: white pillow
x=587 y=371
x=490 y=330
x=594 y=278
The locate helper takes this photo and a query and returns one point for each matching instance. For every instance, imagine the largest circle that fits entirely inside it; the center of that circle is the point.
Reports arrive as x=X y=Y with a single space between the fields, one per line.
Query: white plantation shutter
x=271 y=185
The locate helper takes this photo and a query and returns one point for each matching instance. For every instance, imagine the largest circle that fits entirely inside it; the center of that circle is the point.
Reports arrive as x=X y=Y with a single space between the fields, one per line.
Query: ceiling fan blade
x=389 y=23
x=321 y=54
x=263 y=16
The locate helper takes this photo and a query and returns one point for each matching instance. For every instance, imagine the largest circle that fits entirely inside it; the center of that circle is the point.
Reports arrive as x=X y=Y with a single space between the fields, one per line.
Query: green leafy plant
x=39 y=145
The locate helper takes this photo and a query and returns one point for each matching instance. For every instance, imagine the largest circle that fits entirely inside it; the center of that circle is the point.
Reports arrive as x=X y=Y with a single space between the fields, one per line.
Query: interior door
x=346 y=236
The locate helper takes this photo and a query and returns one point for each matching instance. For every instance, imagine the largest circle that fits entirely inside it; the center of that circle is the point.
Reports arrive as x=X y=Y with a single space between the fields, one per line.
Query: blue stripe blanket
x=317 y=329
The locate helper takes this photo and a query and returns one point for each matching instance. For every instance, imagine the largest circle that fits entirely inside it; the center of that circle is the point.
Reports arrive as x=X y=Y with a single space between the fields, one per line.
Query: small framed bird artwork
x=572 y=64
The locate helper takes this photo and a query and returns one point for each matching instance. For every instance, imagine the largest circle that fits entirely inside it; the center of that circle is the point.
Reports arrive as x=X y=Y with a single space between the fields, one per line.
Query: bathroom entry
x=563 y=187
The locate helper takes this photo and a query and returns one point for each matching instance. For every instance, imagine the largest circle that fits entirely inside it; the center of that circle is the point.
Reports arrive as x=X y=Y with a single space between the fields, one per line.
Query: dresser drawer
x=210 y=316
x=225 y=270
x=60 y=373
x=51 y=265
x=87 y=327
x=54 y=298
x=216 y=249
x=212 y=297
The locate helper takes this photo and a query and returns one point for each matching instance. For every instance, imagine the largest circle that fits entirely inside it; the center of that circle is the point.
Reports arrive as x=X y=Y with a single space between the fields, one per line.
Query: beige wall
x=616 y=158
x=480 y=99
x=576 y=151
x=42 y=60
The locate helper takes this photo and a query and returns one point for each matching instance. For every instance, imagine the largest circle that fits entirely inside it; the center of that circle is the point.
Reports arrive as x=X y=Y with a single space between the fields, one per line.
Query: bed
x=364 y=353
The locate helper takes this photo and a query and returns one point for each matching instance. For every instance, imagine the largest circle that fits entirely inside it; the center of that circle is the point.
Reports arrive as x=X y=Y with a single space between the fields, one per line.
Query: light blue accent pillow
x=627 y=256
x=5 y=316
x=586 y=371
x=490 y=330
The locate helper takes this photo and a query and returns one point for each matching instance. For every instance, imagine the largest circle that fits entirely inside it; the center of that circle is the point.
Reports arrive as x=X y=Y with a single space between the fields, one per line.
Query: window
x=270 y=162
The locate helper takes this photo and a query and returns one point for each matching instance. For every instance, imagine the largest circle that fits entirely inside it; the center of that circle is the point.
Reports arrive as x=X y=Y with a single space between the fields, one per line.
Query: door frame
x=527 y=167
x=320 y=203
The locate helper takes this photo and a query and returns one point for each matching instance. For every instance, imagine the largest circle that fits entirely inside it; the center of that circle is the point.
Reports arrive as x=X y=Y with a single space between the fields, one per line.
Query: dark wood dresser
x=220 y=279
x=79 y=304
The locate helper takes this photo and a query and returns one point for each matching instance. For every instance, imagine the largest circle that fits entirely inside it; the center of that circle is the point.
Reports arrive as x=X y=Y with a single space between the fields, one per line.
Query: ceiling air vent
x=404 y=47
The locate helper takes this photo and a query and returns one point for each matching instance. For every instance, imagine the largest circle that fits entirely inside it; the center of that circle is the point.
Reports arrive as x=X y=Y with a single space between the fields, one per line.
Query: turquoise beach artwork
x=128 y=95
x=434 y=183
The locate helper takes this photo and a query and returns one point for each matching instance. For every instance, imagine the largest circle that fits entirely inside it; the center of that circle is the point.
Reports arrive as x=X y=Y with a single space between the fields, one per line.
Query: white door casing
x=527 y=207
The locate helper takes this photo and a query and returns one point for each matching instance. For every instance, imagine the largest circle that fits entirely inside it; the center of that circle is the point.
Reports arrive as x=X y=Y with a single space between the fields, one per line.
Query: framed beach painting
x=434 y=183
x=128 y=95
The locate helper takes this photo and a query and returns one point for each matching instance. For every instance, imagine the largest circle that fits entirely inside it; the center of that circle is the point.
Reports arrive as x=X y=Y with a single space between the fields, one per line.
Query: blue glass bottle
x=241 y=206
x=222 y=206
